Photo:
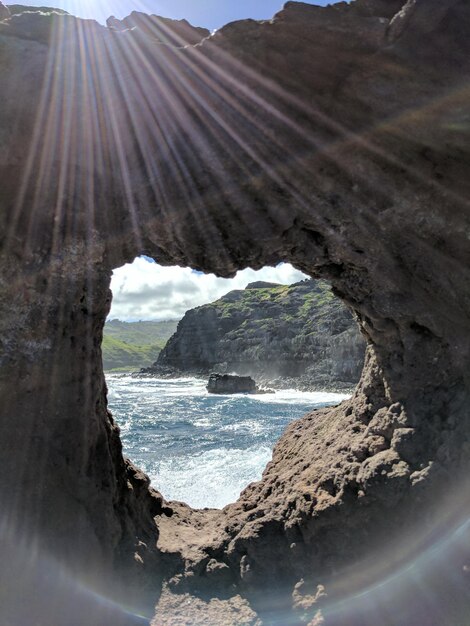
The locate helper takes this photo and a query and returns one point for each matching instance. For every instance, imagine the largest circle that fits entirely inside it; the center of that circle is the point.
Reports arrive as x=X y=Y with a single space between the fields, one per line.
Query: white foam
x=212 y=479
x=180 y=465
x=187 y=386
x=293 y=396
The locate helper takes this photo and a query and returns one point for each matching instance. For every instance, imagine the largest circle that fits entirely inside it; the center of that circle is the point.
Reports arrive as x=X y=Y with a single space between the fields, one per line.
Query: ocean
x=199 y=448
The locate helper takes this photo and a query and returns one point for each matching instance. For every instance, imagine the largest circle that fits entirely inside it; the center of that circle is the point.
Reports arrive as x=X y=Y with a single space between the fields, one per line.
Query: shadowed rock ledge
x=333 y=138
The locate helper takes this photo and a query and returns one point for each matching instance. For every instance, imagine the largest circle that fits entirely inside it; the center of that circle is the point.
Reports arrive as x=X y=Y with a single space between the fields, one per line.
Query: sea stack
x=227 y=384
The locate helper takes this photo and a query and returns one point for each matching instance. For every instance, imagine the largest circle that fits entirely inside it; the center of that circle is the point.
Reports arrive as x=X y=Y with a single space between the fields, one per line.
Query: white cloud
x=147 y=291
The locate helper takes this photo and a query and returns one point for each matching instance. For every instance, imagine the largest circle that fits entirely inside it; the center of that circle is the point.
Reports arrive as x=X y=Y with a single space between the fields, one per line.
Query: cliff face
x=333 y=138
x=176 y=33
x=300 y=333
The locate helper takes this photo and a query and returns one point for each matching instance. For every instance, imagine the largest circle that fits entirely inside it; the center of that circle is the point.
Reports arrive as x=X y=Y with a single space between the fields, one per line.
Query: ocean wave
x=212 y=479
x=200 y=448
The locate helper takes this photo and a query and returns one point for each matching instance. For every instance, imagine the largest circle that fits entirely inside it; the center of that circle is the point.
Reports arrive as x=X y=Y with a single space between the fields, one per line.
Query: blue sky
x=209 y=13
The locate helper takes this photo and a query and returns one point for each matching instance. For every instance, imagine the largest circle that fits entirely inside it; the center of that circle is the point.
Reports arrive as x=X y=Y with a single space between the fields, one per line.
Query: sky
x=211 y=14
x=144 y=290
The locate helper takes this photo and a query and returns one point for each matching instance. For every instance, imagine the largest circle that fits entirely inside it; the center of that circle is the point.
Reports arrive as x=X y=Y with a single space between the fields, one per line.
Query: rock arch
x=333 y=138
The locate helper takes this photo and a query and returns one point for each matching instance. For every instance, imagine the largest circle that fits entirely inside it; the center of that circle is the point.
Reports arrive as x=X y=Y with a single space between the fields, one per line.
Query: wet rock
x=227 y=384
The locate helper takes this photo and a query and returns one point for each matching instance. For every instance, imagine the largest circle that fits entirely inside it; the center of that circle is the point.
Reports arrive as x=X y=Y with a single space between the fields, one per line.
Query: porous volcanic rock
x=327 y=137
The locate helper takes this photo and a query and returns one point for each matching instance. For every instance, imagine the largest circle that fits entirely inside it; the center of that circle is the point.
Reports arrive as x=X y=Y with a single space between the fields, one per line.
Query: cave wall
x=333 y=138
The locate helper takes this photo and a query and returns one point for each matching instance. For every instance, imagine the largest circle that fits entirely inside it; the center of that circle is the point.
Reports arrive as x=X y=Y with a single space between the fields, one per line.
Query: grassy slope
x=288 y=302
x=141 y=333
x=132 y=345
x=268 y=323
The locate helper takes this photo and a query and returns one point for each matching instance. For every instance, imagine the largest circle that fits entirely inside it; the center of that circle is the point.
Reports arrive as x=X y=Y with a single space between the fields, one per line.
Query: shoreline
x=288 y=384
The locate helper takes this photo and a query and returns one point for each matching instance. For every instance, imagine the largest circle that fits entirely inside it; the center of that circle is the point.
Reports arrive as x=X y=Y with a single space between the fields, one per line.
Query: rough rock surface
x=16 y=9
x=287 y=336
x=226 y=384
x=163 y=30
x=324 y=138
x=4 y=12
x=184 y=609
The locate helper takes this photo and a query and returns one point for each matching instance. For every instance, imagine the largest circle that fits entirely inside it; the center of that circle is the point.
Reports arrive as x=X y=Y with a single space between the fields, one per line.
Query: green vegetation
x=130 y=346
x=270 y=323
x=271 y=332
x=141 y=333
x=243 y=304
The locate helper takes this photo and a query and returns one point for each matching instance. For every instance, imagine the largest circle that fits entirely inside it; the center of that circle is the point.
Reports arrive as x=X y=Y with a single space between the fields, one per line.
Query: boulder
x=227 y=384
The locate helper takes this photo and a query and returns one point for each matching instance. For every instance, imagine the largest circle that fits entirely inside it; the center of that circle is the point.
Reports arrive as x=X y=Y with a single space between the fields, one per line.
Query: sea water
x=200 y=448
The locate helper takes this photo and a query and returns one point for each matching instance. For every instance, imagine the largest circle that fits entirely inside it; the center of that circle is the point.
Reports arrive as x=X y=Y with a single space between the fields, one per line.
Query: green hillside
x=131 y=345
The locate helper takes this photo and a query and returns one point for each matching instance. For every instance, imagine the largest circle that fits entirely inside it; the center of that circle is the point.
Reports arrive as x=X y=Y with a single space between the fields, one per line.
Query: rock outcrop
x=327 y=137
x=4 y=12
x=298 y=336
x=17 y=9
x=226 y=384
x=163 y=30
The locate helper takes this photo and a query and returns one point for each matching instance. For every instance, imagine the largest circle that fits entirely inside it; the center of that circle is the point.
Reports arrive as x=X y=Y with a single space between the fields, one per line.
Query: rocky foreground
x=334 y=138
x=299 y=336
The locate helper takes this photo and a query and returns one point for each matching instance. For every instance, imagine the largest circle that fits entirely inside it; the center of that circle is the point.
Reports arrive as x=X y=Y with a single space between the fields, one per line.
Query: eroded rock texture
x=334 y=138
x=177 y=33
x=284 y=336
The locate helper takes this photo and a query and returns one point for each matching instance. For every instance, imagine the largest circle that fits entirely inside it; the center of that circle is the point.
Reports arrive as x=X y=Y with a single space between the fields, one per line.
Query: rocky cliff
x=176 y=33
x=334 y=138
x=301 y=335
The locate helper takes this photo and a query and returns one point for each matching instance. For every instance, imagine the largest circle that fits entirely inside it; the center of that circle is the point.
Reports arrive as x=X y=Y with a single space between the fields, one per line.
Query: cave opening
x=170 y=328
x=333 y=138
